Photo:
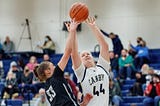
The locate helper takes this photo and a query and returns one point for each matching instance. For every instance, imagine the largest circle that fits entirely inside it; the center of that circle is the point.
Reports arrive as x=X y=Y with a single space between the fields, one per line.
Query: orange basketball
x=79 y=12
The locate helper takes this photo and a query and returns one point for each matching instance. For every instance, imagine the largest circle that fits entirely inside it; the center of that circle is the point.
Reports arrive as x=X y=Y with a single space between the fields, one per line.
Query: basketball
x=79 y=12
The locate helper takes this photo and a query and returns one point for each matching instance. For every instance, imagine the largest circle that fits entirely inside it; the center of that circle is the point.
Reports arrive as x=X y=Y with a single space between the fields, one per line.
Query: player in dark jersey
x=57 y=89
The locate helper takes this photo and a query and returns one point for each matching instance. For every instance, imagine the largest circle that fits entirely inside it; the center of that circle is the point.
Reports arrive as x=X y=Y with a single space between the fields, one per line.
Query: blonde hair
x=10 y=73
x=145 y=69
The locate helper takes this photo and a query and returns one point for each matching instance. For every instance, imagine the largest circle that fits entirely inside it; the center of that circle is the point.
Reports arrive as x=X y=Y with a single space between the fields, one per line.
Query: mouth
x=49 y=73
x=86 y=59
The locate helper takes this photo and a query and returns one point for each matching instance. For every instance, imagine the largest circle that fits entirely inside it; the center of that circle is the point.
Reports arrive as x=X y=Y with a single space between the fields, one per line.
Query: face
x=138 y=40
x=123 y=53
x=7 y=39
x=26 y=69
x=10 y=75
x=49 y=72
x=111 y=36
x=155 y=79
x=14 y=68
x=142 y=43
x=110 y=83
x=150 y=71
x=32 y=59
x=45 y=57
x=46 y=39
x=87 y=59
x=145 y=67
x=138 y=75
x=66 y=76
x=42 y=91
x=111 y=55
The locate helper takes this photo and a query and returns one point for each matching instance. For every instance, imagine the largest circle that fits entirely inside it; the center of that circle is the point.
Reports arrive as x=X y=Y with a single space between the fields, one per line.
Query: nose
x=86 y=55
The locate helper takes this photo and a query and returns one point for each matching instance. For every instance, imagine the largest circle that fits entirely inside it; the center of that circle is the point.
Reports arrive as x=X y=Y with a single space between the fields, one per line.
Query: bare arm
x=104 y=51
x=68 y=49
x=86 y=99
x=76 y=61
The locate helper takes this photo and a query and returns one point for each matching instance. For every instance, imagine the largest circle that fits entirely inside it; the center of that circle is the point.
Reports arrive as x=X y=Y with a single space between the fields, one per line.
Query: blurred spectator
x=1 y=65
x=48 y=46
x=1 y=47
x=20 y=63
x=26 y=80
x=142 y=56
x=126 y=65
x=27 y=76
x=15 y=70
x=8 y=45
x=1 y=70
x=136 y=89
x=114 y=64
x=36 y=83
x=145 y=69
x=117 y=45
x=1 y=51
x=114 y=93
x=71 y=83
x=41 y=98
x=46 y=57
x=133 y=52
x=11 y=87
x=32 y=63
x=148 y=77
x=139 y=39
x=152 y=92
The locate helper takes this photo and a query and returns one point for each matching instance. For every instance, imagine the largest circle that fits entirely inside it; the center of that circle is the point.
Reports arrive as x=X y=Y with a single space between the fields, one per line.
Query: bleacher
x=138 y=100
x=127 y=100
x=155 y=58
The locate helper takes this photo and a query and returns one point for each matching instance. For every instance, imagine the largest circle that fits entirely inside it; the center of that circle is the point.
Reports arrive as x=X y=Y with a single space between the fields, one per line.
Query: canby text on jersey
x=97 y=78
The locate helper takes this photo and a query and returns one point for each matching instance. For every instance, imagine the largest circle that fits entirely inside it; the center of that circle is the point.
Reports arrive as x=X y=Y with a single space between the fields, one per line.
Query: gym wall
x=127 y=18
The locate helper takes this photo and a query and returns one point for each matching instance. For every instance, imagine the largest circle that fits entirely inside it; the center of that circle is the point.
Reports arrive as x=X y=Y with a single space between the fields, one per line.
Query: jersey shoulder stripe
x=104 y=70
x=84 y=74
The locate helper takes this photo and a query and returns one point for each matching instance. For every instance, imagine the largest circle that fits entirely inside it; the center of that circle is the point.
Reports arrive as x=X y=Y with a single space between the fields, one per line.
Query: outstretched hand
x=86 y=99
x=91 y=21
x=72 y=25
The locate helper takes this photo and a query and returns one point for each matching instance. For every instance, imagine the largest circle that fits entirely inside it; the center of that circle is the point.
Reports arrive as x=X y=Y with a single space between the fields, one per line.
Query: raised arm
x=104 y=33
x=68 y=48
x=104 y=51
x=133 y=47
x=76 y=61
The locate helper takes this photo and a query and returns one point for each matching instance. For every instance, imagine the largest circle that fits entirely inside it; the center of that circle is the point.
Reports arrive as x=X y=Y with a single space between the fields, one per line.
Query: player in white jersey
x=94 y=78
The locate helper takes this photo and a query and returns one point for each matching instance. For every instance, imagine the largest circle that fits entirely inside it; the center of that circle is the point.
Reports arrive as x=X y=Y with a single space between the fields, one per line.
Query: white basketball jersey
x=95 y=80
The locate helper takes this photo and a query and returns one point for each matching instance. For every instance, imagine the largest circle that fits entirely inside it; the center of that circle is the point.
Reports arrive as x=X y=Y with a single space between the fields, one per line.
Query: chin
x=89 y=65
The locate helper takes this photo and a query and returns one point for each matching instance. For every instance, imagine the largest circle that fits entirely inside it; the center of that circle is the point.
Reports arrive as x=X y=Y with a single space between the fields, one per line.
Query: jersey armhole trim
x=84 y=74
x=104 y=70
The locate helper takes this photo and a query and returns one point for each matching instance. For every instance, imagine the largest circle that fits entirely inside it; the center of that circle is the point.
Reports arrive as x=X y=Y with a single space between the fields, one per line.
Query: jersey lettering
x=51 y=93
x=97 y=92
x=96 y=78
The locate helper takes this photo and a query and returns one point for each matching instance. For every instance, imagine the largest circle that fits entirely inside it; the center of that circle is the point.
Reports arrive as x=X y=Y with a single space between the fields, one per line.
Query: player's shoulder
x=101 y=69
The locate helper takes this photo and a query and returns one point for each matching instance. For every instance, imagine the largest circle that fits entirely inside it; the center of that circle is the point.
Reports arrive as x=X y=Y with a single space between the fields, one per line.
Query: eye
x=83 y=55
x=88 y=54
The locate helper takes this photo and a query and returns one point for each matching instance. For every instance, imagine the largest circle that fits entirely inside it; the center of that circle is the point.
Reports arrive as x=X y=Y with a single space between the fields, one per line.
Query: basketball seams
x=79 y=11
x=75 y=9
x=82 y=16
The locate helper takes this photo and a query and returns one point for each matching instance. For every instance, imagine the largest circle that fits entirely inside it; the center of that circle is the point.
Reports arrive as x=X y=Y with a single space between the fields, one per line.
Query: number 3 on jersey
x=51 y=93
x=97 y=91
